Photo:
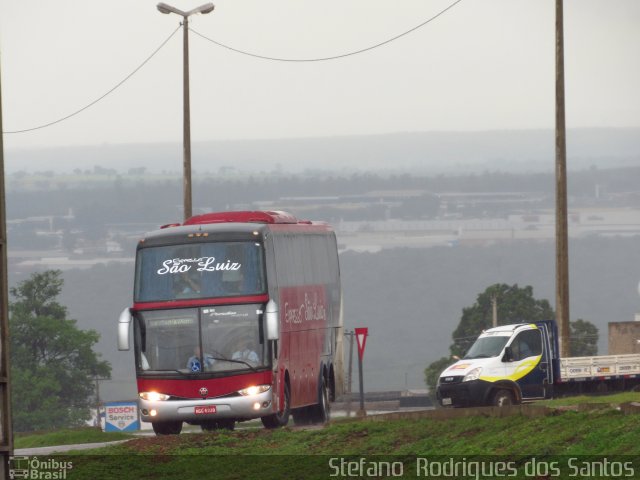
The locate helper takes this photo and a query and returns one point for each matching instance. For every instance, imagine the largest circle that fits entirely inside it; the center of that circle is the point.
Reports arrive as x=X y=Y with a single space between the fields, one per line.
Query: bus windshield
x=199 y=270
x=195 y=340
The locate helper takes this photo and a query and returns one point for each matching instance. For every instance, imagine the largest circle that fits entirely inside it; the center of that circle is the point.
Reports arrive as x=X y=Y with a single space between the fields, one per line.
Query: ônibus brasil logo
x=38 y=469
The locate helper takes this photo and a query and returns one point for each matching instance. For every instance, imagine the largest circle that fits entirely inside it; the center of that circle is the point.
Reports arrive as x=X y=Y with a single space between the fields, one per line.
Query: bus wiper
x=253 y=369
x=185 y=374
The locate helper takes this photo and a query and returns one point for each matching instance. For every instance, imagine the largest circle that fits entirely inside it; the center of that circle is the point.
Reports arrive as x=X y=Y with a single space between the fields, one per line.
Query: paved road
x=30 y=452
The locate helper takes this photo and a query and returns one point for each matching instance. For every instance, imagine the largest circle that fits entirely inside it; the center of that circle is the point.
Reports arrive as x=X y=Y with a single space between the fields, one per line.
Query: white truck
x=511 y=364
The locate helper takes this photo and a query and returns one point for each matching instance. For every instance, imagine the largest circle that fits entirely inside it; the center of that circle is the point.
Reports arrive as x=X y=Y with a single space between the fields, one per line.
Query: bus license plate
x=446 y=401
x=205 y=410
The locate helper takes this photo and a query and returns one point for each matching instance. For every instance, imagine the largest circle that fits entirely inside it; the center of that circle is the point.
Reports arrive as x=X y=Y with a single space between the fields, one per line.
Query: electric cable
x=334 y=57
x=101 y=97
x=263 y=57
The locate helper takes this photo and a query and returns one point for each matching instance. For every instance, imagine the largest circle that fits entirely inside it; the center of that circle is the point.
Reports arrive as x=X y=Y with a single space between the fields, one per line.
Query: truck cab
x=506 y=365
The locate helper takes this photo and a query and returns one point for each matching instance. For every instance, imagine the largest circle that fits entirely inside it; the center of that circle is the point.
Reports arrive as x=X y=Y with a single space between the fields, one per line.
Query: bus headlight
x=473 y=375
x=254 y=390
x=154 y=396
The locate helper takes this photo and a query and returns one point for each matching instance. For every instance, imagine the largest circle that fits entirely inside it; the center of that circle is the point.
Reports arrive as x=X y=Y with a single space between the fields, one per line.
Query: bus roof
x=246 y=217
x=229 y=226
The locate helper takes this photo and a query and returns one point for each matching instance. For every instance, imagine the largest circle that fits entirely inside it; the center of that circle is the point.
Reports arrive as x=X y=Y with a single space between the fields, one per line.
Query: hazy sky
x=484 y=64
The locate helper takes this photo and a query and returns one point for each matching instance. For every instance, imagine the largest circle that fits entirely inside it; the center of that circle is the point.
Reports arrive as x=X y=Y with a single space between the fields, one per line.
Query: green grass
x=613 y=399
x=295 y=453
x=265 y=453
x=66 y=437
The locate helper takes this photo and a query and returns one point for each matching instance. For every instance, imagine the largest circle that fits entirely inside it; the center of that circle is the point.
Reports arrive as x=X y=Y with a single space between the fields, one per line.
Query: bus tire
x=279 y=419
x=167 y=428
x=502 y=398
x=322 y=411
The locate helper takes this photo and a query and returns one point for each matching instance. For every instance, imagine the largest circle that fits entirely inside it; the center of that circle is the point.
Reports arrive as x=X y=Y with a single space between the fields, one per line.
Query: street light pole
x=186 y=131
x=186 y=125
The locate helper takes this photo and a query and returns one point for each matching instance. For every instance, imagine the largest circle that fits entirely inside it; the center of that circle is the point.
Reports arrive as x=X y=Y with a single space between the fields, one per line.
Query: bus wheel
x=502 y=398
x=323 y=408
x=167 y=428
x=279 y=419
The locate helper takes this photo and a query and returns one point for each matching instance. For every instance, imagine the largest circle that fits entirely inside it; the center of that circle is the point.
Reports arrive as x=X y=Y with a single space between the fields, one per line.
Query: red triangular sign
x=361 y=338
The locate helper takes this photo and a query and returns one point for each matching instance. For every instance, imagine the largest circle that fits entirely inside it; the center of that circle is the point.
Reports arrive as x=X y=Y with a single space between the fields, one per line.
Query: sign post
x=361 y=338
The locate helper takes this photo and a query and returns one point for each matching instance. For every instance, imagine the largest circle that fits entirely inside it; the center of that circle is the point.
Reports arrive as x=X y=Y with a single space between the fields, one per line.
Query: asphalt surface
x=31 y=452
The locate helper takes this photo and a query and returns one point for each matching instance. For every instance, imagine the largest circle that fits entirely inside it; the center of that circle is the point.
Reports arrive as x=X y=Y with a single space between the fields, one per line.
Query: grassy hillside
x=598 y=443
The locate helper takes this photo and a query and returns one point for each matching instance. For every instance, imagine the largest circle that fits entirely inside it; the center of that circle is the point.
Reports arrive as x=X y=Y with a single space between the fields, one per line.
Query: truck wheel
x=502 y=398
x=167 y=428
x=279 y=419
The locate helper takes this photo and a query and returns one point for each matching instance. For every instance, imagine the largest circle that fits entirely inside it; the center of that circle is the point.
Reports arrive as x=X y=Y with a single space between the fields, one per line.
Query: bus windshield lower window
x=209 y=339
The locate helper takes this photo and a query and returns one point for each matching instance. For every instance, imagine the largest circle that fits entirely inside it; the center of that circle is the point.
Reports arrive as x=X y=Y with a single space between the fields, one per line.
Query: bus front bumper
x=198 y=410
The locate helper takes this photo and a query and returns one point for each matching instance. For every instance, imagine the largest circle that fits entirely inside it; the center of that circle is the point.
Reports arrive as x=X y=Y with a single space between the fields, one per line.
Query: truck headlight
x=254 y=390
x=154 y=396
x=473 y=375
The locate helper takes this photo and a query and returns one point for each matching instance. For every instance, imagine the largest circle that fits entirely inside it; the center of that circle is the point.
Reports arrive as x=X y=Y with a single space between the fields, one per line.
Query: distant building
x=624 y=338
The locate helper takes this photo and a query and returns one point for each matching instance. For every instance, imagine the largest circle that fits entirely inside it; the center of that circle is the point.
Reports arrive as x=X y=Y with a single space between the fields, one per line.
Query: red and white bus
x=236 y=315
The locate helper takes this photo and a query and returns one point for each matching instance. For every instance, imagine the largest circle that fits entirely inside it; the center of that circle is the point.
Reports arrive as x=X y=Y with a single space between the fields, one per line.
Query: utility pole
x=97 y=379
x=349 y=371
x=6 y=432
x=351 y=339
x=186 y=124
x=562 y=235
x=186 y=104
x=494 y=310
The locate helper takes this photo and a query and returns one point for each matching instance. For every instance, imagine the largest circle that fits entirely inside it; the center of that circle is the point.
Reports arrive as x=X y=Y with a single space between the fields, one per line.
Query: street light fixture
x=186 y=139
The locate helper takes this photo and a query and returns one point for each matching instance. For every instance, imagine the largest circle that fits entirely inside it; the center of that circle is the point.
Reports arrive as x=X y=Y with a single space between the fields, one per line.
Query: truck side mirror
x=508 y=354
x=123 y=329
x=272 y=321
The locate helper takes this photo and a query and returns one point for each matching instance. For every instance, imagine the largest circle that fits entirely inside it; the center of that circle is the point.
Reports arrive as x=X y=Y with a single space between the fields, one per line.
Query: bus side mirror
x=272 y=321
x=123 y=329
x=508 y=354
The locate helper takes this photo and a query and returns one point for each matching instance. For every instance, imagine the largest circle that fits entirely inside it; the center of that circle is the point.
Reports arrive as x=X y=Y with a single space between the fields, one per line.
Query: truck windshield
x=209 y=339
x=199 y=270
x=485 y=347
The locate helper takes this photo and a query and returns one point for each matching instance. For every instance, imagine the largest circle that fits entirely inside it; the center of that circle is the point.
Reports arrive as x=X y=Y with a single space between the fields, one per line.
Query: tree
x=514 y=304
x=584 y=338
x=52 y=361
x=433 y=371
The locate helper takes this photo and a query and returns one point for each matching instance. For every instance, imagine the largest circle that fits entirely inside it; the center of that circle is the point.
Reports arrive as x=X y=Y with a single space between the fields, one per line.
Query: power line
x=101 y=97
x=334 y=57
x=263 y=57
